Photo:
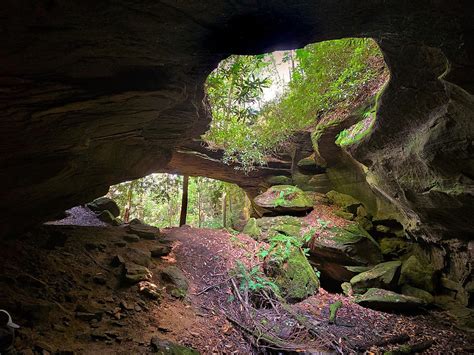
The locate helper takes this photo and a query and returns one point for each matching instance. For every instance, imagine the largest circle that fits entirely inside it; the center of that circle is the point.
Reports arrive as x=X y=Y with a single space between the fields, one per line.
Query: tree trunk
x=224 y=210
x=199 y=211
x=126 y=213
x=184 y=201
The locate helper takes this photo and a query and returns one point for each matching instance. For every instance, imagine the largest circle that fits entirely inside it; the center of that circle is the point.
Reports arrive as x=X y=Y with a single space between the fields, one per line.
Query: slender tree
x=184 y=201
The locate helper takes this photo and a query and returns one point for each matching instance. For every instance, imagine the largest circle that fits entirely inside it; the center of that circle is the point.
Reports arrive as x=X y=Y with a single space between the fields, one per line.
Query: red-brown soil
x=45 y=275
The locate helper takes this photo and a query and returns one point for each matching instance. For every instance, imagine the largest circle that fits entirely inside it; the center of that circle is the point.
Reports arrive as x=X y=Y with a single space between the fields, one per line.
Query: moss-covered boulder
x=383 y=275
x=284 y=198
x=455 y=290
x=385 y=300
x=332 y=249
x=463 y=316
x=346 y=202
x=252 y=229
x=176 y=283
x=144 y=231
x=343 y=214
x=133 y=273
x=347 y=288
x=106 y=216
x=294 y=275
x=104 y=204
x=408 y=290
x=288 y=225
x=393 y=246
x=417 y=272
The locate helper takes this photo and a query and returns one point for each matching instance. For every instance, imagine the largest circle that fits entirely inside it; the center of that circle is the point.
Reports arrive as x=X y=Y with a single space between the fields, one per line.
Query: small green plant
x=236 y=242
x=282 y=245
x=323 y=224
x=280 y=200
x=333 y=308
x=252 y=279
x=284 y=194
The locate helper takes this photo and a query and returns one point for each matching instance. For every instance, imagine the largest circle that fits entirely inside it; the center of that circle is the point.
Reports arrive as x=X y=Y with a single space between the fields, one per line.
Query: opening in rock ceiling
x=259 y=102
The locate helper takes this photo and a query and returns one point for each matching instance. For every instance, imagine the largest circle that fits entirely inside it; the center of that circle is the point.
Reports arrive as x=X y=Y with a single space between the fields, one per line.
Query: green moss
x=287 y=196
x=382 y=275
x=417 y=272
x=346 y=202
x=418 y=293
x=351 y=234
x=288 y=225
x=279 y=180
x=252 y=229
x=393 y=246
x=333 y=308
x=376 y=298
x=345 y=215
x=307 y=162
x=296 y=277
x=347 y=288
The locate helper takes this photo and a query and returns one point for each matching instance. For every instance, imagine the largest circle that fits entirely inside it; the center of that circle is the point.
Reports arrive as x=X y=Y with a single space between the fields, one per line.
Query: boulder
x=104 y=204
x=383 y=275
x=288 y=225
x=455 y=290
x=133 y=273
x=393 y=246
x=161 y=250
x=294 y=275
x=137 y=256
x=347 y=288
x=176 y=283
x=165 y=347
x=346 y=202
x=417 y=272
x=408 y=290
x=284 y=199
x=106 y=216
x=143 y=230
x=385 y=300
x=463 y=316
x=317 y=198
x=333 y=249
x=149 y=290
x=252 y=229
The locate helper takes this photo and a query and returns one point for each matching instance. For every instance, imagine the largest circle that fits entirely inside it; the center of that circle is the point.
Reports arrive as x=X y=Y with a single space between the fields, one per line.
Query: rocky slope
x=97 y=93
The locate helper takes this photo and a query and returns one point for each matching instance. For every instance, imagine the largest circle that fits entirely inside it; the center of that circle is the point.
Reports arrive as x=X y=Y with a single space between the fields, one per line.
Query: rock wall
x=94 y=93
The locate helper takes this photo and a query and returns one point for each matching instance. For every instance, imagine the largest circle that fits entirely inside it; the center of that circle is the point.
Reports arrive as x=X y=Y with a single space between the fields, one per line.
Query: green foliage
x=156 y=200
x=252 y=279
x=325 y=75
x=322 y=223
x=281 y=246
x=284 y=194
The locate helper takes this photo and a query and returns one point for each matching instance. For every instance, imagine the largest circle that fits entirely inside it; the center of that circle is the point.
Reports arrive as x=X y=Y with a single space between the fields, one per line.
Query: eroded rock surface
x=94 y=94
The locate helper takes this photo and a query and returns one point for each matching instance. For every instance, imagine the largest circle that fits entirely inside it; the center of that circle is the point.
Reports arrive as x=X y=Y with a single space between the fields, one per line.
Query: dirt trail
x=49 y=274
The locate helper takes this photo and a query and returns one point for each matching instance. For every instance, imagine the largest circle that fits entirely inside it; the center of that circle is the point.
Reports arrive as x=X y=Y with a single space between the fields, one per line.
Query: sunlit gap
x=259 y=102
x=156 y=200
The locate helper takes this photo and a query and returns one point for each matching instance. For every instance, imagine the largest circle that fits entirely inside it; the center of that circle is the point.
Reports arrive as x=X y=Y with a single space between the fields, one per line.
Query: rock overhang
x=99 y=93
